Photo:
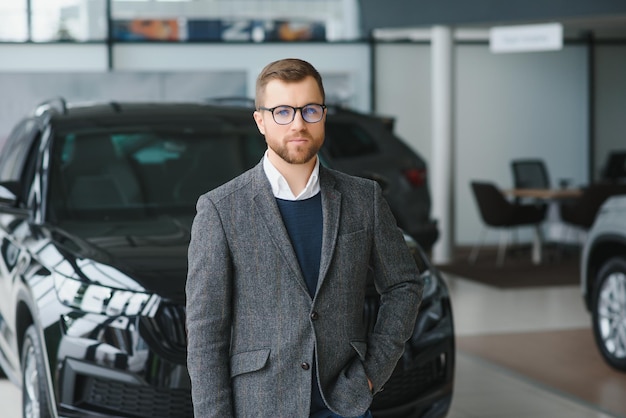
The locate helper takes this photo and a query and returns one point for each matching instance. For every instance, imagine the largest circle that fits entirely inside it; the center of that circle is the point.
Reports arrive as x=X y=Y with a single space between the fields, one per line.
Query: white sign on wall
x=526 y=38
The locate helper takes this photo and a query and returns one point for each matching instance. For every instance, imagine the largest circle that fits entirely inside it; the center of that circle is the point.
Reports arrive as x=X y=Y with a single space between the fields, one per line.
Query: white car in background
x=603 y=280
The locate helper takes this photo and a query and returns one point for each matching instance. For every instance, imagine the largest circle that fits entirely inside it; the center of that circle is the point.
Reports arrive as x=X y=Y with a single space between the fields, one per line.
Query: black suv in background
x=96 y=205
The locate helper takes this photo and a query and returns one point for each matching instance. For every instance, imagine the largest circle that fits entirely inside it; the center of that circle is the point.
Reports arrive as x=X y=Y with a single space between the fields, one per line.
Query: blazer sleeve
x=400 y=287
x=208 y=307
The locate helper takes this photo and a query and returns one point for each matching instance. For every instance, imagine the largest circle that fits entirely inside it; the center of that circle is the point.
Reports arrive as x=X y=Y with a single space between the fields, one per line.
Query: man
x=278 y=262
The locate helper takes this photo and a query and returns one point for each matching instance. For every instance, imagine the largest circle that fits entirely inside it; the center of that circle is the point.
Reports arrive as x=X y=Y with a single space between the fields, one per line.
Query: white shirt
x=280 y=187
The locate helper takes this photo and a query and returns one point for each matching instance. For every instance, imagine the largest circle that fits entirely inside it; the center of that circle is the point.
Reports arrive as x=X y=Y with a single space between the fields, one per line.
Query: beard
x=301 y=154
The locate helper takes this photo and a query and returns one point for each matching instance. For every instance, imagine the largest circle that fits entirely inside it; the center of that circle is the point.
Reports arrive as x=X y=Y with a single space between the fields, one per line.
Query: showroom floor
x=484 y=389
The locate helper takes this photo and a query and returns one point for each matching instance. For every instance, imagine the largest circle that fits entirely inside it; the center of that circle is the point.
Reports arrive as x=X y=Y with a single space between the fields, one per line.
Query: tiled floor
x=483 y=389
x=10 y=400
x=480 y=309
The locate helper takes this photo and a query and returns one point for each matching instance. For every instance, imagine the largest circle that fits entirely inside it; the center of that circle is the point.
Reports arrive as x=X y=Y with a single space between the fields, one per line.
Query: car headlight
x=430 y=285
x=103 y=300
x=424 y=267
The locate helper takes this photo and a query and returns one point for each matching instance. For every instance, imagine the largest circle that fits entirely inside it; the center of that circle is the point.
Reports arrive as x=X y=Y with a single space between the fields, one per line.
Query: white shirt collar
x=281 y=189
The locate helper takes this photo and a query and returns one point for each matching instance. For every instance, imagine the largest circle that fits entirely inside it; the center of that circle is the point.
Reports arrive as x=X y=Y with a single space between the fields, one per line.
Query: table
x=548 y=195
x=545 y=194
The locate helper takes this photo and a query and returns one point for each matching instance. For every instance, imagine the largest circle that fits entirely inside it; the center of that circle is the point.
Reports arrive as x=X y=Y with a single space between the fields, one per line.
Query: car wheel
x=609 y=312
x=34 y=388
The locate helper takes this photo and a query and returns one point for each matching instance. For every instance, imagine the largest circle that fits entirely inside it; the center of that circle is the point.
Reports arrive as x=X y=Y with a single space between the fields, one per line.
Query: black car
x=96 y=205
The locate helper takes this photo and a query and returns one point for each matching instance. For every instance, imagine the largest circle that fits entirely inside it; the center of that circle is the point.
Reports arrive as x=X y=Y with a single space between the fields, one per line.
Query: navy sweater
x=303 y=220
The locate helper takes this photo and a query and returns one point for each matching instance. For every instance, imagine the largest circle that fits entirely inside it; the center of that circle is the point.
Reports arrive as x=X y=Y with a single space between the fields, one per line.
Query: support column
x=442 y=164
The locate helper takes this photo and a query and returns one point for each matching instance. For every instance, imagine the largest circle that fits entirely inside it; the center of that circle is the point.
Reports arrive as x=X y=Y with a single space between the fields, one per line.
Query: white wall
x=32 y=73
x=506 y=106
x=516 y=106
x=336 y=62
x=22 y=92
x=52 y=57
x=403 y=90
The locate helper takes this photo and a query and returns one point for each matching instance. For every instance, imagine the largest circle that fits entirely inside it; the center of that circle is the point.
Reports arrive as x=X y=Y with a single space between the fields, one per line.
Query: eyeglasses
x=284 y=115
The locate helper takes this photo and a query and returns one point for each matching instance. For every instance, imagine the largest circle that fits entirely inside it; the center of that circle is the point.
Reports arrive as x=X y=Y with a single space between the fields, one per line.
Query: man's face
x=297 y=142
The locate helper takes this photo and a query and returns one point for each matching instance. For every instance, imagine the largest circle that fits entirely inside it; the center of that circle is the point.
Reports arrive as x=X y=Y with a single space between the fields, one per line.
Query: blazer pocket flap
x=248 y=361
x=360 y=347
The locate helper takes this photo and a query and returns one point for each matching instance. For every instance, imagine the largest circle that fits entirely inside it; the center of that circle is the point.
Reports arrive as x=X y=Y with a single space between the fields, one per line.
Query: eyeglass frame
x=295 y=110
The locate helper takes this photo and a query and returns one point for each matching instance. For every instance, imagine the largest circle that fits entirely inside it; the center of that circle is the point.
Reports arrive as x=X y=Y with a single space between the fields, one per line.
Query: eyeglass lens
x=311 y=113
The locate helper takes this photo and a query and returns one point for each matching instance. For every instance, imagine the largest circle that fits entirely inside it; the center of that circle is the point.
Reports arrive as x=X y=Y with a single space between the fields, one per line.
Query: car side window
x=135 y=170
x=15 y=151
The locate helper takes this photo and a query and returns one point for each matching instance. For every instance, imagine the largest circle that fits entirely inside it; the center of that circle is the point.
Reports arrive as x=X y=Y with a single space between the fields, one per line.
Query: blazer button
x=305 y=365
x=314 y=316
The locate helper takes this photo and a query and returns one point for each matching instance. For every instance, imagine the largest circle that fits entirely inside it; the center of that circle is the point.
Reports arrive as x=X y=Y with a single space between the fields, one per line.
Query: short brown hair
x=288 y=70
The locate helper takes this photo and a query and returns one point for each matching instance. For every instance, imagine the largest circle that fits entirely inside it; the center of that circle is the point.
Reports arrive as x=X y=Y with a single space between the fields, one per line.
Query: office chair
x=530 y=174
x=498 y=212
x=615 y=168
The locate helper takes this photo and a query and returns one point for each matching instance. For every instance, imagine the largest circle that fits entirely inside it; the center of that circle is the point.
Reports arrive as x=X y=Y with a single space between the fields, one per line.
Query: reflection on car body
x=95 y=212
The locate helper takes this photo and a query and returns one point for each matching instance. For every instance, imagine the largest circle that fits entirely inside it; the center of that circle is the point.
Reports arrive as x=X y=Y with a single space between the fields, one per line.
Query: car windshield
x=139 y=172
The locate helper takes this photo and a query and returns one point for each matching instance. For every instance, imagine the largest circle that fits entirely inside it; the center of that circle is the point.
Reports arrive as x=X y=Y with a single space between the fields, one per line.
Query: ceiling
x=605 y=19
x=609 y=27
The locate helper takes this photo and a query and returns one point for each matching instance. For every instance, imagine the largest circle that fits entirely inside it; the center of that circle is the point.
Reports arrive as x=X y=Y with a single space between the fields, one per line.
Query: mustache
x=300 y=136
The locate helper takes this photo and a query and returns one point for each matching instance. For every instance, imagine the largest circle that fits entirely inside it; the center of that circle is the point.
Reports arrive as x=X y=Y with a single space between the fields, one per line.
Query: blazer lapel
x=266 y=205
x=331 y=208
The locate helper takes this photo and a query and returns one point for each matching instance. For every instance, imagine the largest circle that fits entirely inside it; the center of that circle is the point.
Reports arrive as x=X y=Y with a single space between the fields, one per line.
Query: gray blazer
x=252 y=326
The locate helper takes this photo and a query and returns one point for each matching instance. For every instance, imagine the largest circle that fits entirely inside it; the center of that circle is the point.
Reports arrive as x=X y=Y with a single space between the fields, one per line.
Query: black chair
x=530 y=174
x=581 y=212
x=498 y=212
x=615 y=168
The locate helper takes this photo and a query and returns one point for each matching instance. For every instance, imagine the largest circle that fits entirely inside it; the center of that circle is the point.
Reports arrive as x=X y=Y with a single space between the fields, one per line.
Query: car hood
x=146 y=256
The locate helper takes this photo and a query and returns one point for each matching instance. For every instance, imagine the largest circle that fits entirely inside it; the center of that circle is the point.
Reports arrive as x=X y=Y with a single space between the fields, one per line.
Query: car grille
x=126 y=399
x=409 y=382
x=165 y=333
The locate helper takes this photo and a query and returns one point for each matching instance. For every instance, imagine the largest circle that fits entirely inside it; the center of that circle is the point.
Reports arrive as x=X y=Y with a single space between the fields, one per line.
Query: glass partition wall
x=14 y=21
x=178 y=20
x=68 y=20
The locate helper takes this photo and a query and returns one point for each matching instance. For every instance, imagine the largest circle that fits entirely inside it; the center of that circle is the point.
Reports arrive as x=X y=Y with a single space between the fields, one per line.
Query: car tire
x=609 y=312
x=35 y=402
